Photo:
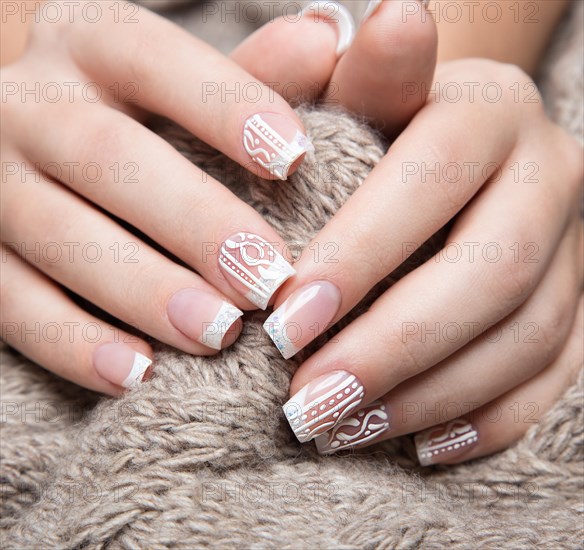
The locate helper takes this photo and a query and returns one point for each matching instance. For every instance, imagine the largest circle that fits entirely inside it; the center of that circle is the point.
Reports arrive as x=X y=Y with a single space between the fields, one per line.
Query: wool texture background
x=201 y=456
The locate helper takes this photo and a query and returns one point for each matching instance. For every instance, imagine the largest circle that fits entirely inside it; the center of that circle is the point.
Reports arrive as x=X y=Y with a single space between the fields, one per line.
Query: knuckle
x=513 y=279
x=572 y=161
x=404 y=350
x=370 y=254
x=137 y=60
x=450 y=185
x=552 y=331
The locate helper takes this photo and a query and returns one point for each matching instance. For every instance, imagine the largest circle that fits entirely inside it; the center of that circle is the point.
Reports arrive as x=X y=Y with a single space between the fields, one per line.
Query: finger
x=476 y=291
x=507 y=355
x=377 y=243
x=79 y=247
x=170 y=72
x=501 y=423
x=387 y=72
x=300 y=73
x=137 y=176
x=41 y=321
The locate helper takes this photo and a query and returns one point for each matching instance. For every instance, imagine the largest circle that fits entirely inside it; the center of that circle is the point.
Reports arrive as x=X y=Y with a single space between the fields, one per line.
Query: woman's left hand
x=479 y=341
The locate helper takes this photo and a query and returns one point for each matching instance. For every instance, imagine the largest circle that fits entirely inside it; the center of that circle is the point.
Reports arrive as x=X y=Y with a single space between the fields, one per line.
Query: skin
x=506 y=132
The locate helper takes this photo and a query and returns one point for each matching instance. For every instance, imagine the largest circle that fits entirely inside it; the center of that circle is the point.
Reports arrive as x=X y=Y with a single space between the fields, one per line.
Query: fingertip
x=276 y=142
x=232 y=334
x=120 y=364
x=395 y=46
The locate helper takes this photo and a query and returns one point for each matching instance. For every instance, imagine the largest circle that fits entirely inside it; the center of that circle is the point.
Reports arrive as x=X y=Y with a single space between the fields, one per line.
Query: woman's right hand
x=74 y=150
x=76 y=158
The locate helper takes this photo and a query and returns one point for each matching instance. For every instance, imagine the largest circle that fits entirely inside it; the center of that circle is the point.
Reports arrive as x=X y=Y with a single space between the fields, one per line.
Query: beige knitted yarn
x=201 y=457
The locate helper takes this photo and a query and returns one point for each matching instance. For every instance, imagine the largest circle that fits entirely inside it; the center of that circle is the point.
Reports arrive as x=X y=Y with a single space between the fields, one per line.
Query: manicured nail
x=373 y=6
x=322 y=404
x=303 y=316
x=359 y=428
x=339 y=16
x=253 y=267
x=120 y=364
x=203 y=317
x=445 y=441
x=274 y=142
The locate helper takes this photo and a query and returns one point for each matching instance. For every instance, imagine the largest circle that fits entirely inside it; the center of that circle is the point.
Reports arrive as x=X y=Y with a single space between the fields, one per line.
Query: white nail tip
x=275 y=329
x=372 y=7
x=438 y=443
x=338 y=14
x=359 y=428
x=270 y=150
x=214 y=332
x=322 y=404
x=139 y=367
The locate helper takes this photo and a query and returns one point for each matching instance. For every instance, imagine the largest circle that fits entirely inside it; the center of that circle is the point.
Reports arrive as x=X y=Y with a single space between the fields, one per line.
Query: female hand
x=99 y=74
x=481 y=339
x=76 y=159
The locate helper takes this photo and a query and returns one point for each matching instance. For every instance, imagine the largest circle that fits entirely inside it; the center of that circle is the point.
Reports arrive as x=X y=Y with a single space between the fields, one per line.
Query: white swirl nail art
x=269 y=149
x=441 y=442
x=214 y=332
x=139 y=368
x=322 y=404
x=359 y=428
x=254 y=263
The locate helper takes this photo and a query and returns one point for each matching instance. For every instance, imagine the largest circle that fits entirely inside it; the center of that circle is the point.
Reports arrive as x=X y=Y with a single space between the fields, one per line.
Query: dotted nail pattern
x=269 y=149
x=439 y=441
x=322 y=404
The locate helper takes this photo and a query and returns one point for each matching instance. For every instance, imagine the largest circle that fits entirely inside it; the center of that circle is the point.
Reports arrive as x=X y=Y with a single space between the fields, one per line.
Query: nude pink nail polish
x=203 y=317
x=307 y=313
x=120 y=364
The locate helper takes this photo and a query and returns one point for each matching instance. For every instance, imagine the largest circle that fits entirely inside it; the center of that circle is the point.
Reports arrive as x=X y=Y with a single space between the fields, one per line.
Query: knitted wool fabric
x=201 y=456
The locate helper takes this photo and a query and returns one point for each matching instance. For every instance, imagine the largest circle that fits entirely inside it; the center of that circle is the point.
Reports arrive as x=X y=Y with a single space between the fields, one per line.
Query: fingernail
x=359 y=428
x=373 y=6
x=444 y=442
x=203 y=317
x=253 y=267
x=303 y=316
x=120 y=364
x=322 y=404
x=274 y=142
x=336 y=14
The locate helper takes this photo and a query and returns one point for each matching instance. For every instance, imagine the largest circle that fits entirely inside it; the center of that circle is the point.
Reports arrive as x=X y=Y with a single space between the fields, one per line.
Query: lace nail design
x=322 y=404
x=139 y=368
x=361 y=427
x=254 y=263
x=445 y=440
x=269 y=149
x=214 y=332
